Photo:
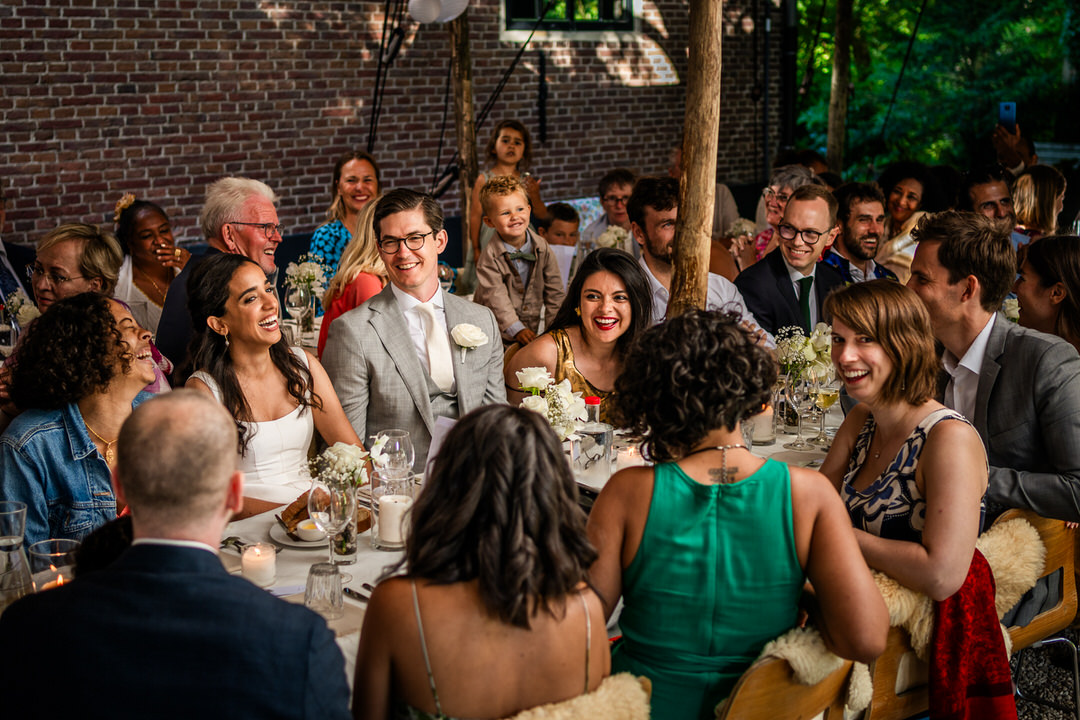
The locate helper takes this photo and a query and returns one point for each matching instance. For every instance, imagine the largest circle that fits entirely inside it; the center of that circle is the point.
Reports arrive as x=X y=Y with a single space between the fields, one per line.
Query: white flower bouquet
x=805 y=356
x=562 y=407
x=20 y=308
x=342 y=462
x=309 y=273
x=613 y=237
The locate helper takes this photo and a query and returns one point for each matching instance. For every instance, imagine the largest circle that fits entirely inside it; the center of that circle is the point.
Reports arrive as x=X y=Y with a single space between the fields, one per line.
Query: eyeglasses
x=616 y=199
x=55 y=279
x=790 y=232
x=391 y=245
x=269 y=229
x=769 y=194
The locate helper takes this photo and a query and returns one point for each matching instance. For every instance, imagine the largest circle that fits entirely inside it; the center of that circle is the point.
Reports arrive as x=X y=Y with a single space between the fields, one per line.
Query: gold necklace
x=110 y=455
x=147 y=276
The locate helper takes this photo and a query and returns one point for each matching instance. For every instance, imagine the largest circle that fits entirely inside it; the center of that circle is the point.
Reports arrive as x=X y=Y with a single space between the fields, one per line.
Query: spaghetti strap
x=588 y=637
x=423 y=647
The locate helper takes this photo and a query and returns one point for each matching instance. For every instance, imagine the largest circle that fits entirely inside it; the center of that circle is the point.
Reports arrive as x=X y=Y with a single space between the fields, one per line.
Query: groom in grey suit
x=1020 y=388
x=413 y=353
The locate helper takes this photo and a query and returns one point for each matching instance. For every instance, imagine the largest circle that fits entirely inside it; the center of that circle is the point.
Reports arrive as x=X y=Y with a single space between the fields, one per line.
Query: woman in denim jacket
x=80 y=369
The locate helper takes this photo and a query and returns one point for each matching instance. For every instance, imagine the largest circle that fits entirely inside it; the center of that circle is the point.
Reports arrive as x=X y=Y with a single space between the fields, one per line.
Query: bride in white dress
x=279 y=395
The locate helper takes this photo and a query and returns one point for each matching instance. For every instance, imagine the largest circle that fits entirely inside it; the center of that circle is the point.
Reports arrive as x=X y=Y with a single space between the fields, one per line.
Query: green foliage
x=969 y=55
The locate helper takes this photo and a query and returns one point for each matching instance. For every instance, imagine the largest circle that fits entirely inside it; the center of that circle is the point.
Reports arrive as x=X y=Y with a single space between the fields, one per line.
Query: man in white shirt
x=413 y=353
x=173 y=619
x=1018 y=387
x=653 y=209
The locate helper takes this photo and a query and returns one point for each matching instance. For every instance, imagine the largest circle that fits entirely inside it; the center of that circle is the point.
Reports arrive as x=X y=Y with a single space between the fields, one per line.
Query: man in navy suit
x=788 y=286
x=165 y=631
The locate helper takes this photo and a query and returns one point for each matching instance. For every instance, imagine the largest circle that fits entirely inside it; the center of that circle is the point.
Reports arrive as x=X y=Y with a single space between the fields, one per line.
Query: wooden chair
x=768 y=690
x=901 y=684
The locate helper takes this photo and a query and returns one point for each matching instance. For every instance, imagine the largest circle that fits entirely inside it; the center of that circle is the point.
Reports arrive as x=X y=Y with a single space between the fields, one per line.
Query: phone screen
x=1007 y=116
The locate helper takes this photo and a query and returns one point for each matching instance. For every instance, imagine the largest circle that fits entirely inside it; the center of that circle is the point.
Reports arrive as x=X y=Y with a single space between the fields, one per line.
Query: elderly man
x=1018 y=387
x=238 y=217
x=164 y=631
x=413 y=353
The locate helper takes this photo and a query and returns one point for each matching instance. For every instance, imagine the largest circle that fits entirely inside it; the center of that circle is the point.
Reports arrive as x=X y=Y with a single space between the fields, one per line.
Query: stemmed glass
x=826 y=393
x=297 y=303
x=397 y=449
x=332 y=505
x=800 y=394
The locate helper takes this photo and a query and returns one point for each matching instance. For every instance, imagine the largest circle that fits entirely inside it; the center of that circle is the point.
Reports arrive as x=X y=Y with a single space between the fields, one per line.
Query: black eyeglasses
x=616 y=199
x=268 y=228
x=391 y=245
x=790 y=232
x=768 y=193
x=55 y=279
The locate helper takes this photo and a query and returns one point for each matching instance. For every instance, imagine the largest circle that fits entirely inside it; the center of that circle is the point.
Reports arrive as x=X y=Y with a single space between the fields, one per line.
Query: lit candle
x=628 y=457
x=392 y=509
x=53 y=577
x=259 y=564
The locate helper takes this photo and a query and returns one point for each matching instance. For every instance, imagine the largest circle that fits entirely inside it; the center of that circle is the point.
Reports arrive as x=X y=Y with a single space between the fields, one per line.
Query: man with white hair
x=164 y=631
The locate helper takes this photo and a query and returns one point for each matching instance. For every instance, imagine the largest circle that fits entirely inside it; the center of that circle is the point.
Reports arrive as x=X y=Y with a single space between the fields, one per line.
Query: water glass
x=323 y=591
x=15 y=580
x=397 y=449
x=392 y=495
x=52 y=562
x=592 y=453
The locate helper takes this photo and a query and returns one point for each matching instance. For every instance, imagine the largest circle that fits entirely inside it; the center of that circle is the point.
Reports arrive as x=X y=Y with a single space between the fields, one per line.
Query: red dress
x=364 y=287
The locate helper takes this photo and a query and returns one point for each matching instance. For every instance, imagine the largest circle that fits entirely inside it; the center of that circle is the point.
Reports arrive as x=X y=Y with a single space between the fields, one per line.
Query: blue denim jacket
x=49 y=462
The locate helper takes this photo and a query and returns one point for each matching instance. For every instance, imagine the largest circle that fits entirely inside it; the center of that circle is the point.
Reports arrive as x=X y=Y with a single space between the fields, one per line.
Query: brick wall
x=160 y=97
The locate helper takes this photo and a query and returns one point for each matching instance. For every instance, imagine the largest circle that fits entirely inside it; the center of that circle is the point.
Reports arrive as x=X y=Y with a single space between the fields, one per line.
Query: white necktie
x=438 y=348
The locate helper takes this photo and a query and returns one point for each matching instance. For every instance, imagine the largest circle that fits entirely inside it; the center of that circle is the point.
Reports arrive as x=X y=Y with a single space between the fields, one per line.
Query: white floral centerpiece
x=562 y=407
x=21 y=309
x=308 y=273
x=1011 y=308
x=613 y=237
x=798 y=355
x=342 y=463
x=468 y=337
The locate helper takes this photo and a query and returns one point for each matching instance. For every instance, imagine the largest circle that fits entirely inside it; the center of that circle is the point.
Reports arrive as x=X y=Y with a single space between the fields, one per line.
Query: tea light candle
x=52 y=577
x=392 y=509
x=629 y=457
x=259 y=564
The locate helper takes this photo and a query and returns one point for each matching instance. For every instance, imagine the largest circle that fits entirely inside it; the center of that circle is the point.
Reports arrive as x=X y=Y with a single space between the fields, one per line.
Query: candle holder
x=392 y=495
x=259 y=564
x=52 y=562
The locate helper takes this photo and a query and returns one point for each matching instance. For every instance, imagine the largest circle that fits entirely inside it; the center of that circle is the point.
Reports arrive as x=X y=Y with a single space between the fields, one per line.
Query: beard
x=856 y=249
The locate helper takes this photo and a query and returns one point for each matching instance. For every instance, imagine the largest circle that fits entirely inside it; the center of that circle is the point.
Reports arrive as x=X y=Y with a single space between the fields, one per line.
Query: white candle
x=628 y=457
x=392 y=509
x=259 y=564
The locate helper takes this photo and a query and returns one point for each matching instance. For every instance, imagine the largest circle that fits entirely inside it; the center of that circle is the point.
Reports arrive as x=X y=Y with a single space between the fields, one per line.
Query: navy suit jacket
x=166 y=632
x=770 y=296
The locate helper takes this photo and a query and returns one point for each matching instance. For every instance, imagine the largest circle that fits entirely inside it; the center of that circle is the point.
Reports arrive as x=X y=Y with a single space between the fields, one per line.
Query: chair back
x=768 y=690
x=901 y=680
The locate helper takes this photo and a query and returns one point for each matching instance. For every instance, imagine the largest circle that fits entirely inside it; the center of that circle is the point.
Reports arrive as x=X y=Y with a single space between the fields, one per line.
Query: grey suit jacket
x=373 y=366
x=1027 y=411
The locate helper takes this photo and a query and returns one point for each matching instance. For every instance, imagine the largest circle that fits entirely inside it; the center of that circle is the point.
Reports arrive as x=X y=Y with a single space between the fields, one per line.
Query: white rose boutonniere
x=468 y=337
x=1011 y=307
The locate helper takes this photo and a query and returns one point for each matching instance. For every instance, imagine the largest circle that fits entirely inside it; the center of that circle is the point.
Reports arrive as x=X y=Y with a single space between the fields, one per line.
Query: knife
x=356 y=594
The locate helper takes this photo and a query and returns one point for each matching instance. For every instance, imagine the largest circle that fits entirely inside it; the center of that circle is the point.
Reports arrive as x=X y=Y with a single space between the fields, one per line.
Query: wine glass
x=446 y=276
x=800 y=394
x=332 y=505
x=826 y=393
x=297 y=302
x=398 y=450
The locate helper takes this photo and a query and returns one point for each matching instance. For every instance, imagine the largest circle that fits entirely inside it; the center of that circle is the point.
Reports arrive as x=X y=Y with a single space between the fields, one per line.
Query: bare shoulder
x=194 y=383
x=809 y=487
x=540 y=352
x=627 y=488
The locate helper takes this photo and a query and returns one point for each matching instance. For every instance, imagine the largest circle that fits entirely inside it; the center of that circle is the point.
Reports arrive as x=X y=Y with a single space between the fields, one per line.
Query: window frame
x=571 y=27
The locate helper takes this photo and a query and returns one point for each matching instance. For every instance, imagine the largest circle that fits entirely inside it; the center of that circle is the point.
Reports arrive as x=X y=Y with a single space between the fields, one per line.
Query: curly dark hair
x=695 y=373
x=622 y=265
x=500 y=506
x=208 y=291
x=68 y=353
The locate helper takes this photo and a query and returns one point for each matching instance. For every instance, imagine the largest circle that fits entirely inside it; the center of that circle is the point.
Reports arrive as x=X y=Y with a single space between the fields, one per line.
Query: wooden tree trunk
x=841 y=81
x=697 y=186
x=465 y=115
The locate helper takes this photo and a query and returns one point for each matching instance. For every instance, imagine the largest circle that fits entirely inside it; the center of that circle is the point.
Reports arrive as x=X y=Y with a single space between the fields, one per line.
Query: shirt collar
x=796 y=275
x=407 y=302
x=169 y=542
x=526 y=247
x=654 y=284
x=78 y=438
x=973 y=357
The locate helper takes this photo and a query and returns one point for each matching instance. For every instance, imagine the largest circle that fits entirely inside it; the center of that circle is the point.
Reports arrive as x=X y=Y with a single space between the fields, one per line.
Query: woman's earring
x=577 y=310
x=226 y=336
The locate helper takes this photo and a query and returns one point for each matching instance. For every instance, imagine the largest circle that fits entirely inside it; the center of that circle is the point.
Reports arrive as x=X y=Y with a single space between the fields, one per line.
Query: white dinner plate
x=277 y=534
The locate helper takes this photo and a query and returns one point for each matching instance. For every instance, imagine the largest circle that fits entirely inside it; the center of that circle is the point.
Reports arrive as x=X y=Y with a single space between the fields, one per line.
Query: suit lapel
x=456 y=313
x=988 y=372
x=392 y=331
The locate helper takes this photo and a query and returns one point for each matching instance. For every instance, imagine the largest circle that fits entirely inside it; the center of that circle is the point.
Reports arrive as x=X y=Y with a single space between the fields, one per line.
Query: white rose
x=1011 y=306
x=534 y=377
x=536 y=403
x=468 y=336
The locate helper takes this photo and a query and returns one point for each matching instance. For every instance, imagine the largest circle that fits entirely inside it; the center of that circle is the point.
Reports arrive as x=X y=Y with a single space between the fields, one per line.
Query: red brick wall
x=160 y=97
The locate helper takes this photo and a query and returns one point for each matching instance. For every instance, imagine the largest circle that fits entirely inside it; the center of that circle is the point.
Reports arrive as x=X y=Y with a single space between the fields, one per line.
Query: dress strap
x=588 y=637
x=423 y=647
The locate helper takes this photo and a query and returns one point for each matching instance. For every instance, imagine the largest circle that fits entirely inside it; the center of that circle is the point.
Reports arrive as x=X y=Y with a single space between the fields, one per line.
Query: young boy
x=518 y=275
x=560 y=229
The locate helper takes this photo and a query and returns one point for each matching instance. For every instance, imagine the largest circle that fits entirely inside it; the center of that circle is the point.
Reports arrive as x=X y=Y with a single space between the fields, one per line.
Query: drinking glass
x=15 y=580
x=800 y=396
x=826 y=393
x=331 y=505
x=53 y=562
x=323 y=591
x=297 y=302
x=392 y=496
x=398 y=450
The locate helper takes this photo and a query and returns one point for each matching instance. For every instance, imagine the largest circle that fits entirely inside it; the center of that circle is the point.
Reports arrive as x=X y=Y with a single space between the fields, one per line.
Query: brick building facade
x=161 y=97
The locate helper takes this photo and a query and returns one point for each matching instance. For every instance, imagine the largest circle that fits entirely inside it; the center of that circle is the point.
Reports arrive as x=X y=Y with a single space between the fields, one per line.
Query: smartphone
x=1007 y=116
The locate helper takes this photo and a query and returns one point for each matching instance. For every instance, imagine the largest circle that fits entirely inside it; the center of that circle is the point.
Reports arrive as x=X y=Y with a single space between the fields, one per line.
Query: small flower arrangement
x=309 y=273
x=342 y=463
x=805 y=356
x=613 y=237
x=740 y=227
x=562 y=407
x=20 y=308
x=468 y=337
x=1011 y=308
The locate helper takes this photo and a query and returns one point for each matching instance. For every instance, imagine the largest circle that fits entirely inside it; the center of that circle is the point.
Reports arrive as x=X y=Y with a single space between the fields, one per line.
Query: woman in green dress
x=710 y=548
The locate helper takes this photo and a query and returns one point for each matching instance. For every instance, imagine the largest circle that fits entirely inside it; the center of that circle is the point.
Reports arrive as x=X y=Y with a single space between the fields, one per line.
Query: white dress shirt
x=408 y=305
x=169 y=542
x=796 y=276
x=964 y=374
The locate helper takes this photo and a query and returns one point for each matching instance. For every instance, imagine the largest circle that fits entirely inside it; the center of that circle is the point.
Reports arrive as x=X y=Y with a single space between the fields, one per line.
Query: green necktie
x=804 y=300
x=531 y=257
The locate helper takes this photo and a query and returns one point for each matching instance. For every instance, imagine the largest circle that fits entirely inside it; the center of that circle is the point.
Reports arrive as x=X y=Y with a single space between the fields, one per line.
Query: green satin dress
x=715 y=578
